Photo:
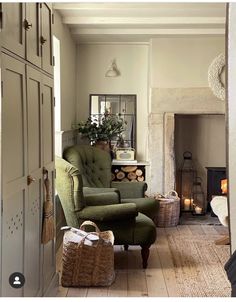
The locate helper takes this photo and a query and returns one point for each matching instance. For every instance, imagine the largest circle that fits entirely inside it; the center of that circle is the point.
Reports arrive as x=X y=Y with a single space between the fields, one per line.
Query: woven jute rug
x=189 y=219
x=199 y=266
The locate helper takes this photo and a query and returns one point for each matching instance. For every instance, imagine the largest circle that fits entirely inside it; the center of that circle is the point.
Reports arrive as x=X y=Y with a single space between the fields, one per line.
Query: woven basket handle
x=172 y=193
x=88 y=222
x=85 y=237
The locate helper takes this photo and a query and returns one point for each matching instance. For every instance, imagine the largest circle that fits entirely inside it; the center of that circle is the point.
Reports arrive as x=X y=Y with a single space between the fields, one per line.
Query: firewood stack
x=128 y=173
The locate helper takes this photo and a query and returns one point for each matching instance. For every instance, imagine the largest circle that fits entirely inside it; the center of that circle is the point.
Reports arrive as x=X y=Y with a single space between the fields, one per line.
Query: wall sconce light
x=113 y=70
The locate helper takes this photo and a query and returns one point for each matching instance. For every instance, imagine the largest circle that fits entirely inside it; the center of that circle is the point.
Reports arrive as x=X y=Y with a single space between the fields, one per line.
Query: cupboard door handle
x=27 y=25
x=42 y=40
x=30 y=179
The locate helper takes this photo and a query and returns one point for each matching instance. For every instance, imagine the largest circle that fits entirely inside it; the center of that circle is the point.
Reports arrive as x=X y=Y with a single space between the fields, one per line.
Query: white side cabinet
x=27 y=147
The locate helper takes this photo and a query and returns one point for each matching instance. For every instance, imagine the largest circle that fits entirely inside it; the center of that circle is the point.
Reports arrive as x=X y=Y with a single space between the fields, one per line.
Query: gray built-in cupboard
x=27 y=146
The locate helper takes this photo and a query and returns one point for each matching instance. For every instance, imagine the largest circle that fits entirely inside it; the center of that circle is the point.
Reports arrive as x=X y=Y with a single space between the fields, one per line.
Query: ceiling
x=139 y=22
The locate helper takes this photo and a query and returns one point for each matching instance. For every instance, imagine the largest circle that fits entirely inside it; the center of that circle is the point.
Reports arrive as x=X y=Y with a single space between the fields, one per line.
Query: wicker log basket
x=169 y=210
x=88 y=258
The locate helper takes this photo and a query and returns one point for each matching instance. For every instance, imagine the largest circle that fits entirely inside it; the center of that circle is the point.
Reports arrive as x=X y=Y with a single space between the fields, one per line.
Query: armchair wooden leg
x=126 y=247
x=145 y=254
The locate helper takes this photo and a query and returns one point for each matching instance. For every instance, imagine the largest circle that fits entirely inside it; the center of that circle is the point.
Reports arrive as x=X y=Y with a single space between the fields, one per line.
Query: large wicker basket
x=169 y=210
x=87 y=260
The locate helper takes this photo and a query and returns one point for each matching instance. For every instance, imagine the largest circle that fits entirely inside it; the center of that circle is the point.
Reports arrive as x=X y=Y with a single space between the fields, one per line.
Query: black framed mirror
x=122 y=104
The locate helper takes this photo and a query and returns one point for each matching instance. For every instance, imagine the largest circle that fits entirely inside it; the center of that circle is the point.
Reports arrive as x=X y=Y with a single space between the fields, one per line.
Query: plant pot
x=104 y=145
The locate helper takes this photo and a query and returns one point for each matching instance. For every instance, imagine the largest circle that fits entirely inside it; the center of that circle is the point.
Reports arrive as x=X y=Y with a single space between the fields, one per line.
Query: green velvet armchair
x=128 y=225
x=94 y=165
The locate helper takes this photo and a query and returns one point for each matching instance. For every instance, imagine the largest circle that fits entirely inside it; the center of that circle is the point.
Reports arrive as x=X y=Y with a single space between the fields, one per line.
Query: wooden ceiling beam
x=214 y=21
x=148 y=31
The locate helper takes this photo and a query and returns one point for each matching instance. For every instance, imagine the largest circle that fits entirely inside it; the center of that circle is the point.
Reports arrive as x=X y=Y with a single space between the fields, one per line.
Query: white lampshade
x=113 y=70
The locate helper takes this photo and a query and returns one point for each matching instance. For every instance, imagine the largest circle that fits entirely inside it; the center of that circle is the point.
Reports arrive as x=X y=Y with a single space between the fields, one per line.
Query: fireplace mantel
x=165 y=103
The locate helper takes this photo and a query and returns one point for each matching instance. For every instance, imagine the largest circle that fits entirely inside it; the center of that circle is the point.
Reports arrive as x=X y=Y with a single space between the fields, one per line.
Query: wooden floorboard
x=137 y=285
x=77 y=292
x=156 y=285
x=131 y=280
x=166 y=263
x=62 y=291
x=120 y=287
x=97 y=292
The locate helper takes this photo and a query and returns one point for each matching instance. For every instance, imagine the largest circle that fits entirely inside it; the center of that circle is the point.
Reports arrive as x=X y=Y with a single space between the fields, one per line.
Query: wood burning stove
x=214 y=177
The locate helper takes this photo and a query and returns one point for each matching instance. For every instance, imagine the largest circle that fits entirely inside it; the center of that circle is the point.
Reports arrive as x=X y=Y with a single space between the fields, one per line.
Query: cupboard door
x=14 y=171
x=32 y=29
x=46 y=38
x=48 y=163
x=34 y=206
x=13 y=33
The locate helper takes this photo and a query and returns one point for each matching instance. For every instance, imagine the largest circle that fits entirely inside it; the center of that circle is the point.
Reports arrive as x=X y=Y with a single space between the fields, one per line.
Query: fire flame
x=224 y=186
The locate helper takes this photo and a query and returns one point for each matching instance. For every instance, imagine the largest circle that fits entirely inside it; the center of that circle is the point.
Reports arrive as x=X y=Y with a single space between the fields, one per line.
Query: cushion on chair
x=146 y=205
x=101 y=196
x=100 y=199
x=94 y=165
x=130 y=189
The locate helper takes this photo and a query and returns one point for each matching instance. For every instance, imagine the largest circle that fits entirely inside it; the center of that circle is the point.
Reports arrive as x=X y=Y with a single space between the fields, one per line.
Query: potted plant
x=100 y=131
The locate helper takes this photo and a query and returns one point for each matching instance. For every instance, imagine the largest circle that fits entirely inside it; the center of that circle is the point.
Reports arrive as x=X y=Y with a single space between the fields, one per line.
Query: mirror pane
x=124 y=105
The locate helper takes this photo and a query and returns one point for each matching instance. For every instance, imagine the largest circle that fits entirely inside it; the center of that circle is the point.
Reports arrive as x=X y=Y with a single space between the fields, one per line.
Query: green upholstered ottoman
x=142 y=233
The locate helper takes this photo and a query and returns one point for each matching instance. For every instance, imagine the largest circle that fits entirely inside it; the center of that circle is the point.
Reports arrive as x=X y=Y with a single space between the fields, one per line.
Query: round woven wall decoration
x=214 y=73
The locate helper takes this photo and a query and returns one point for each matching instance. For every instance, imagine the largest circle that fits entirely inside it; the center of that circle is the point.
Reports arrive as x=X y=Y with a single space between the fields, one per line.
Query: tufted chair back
x=93 y=164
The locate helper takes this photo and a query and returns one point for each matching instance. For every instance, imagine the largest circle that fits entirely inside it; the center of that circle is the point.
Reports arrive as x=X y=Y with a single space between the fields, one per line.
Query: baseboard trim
x=52 y=289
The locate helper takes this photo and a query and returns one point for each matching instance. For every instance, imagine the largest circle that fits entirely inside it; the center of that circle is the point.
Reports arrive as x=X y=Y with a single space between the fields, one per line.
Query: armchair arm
x=101 y=196
x=130 y=189
x=109 y=212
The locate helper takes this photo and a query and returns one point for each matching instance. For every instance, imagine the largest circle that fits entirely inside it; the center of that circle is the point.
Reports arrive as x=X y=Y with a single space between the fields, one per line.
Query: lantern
x=198 y=197
x=187 y=176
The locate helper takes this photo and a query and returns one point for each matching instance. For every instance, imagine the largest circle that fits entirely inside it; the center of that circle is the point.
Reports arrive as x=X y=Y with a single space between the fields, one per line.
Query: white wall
x=132 y=62
x=197 y=134
x=183 y=61
x=68 y=72
x=178 y=85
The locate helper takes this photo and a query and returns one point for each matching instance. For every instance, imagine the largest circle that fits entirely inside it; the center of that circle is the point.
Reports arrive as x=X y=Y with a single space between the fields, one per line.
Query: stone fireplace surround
x=165 y=103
